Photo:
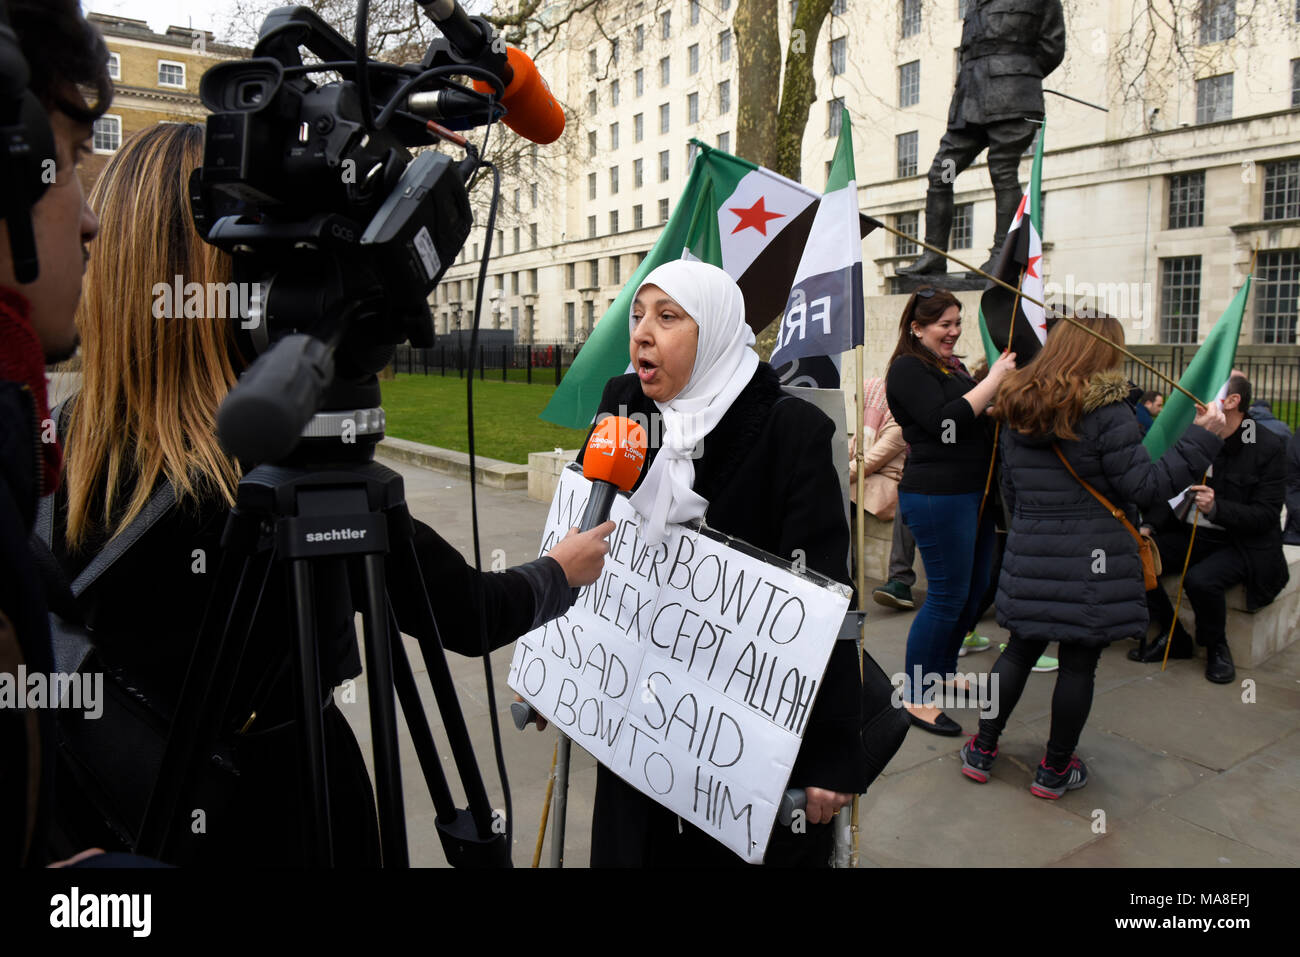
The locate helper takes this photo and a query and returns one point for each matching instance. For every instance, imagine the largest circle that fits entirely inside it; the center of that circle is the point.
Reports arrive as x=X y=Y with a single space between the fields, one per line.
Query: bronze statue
x=1007 y=47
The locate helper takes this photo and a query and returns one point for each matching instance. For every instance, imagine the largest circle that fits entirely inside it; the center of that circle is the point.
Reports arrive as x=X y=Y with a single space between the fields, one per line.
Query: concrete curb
x=491 y=472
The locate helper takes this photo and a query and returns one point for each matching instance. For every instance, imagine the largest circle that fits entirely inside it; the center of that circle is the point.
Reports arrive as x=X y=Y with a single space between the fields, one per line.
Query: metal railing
x=1273 y=371
x=540 y=362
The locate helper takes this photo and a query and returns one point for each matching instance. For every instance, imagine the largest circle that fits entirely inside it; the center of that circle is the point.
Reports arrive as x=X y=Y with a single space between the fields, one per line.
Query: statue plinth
x=953 y=281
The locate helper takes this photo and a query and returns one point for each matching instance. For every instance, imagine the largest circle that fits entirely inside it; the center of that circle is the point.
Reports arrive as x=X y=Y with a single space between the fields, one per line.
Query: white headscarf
x=724 y=363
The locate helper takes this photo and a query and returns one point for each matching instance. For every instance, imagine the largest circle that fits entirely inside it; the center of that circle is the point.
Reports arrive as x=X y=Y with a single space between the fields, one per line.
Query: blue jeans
x=958 y=561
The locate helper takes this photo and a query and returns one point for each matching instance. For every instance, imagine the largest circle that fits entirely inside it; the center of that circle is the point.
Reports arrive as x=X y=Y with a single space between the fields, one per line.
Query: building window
x=107 y=135
x=593 y=272
x=613 y=221
x=515 y=232
x=1218 y=20
x=909 y=15
x=695 y=12
x=568 y=321
x=516 y=198
x=1277 y=292
x=724 y=141
x=906 y=223
x=1295 y=80
x=666 y=25
x=613 y=180
x=591 y=185
x=906 y=154
x=638 y=173
x=114 y=66
x=591 y=61
x=1214 y=98
x=1282 y=190
x=663 y=118
x=532 y=235
x=638 y=217
x=171 y=73
x=692 y=108
x=665 y=70
x=640 y=80
x=963 y=226
x=613 y=93
x=615 y=270
x=839 y=8
x=591 y=143
x=839 y=53
x=724 y=96
x=724 y=5
x=638 y=38
x=613 y=50
x=613 y=136
x=1180 y=299
x=589 y=317
x=570 y=275
x=962 y=7
x=591 y=227
x=532 y=194
x=691 y=150
x=1187 y=200
x=724 y=46
x=909 y=83
x=693 y=59
x=834 y=111
x=663 y=166
x=663 y=211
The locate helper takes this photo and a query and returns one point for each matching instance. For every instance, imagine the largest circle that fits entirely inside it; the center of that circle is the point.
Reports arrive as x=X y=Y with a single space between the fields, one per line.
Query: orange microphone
x=612 y=462
x=531 y=110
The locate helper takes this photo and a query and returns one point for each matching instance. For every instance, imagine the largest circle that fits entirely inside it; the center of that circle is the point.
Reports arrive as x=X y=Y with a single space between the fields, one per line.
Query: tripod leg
x=383 y=715
x=318 y=839
x=561 y=801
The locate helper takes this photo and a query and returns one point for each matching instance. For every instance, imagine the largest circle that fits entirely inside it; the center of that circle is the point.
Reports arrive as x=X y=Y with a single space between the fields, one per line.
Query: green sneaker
x=1043 y=665
x=973 y=644
x=894 y=595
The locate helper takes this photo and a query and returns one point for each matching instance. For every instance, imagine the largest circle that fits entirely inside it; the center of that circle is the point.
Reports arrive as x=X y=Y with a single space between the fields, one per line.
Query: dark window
x=695 y=12
x=640 y=80
x=840 y=7
x=906 y=223
x=613 y=93
x=663 y=117
x=724 y=96
x=724 y=46
x=1218 y=20
x=591 y=227
x=613 y=221
x=638 y=218
x=692 y=108
x=963 y=226
x=570 y=275
x=1187 y=200
x=591 y=102
x=663 y=210
x=591 y=60
x=616 y=270
x=839 y=54
x=1277 y=297
x=663 y=165
x=910 y=16
x=613 y=136
x=1214 y=98
x=666 y=25
x=1282 y=190
x=532 y=235
x=665 y=71
x=638 y=127
x=1180 y=299
x=568 y=321
x=591 y=143
x=593 y=272
x=964 y=5
x=638 y=38
x=693 y=59
x=591 y=185
x=516 y=237
x=1295 y=81
x=909 y=83
x=613 y=180
x=638 y=172
x=834 y=111
x=906 y=147
x=724 y=141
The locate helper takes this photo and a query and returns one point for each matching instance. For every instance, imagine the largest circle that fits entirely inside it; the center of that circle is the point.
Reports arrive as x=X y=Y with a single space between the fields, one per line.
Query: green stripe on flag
x=991 y=352
x=842 y=164
x=1205 y=375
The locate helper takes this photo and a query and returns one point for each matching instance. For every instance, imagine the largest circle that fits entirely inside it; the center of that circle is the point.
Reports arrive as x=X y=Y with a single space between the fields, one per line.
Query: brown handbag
x=1146 y=550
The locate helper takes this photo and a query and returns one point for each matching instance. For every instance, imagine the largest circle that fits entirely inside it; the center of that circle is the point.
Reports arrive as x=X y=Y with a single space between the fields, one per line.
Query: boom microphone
x=612 y=463
x=532 y=111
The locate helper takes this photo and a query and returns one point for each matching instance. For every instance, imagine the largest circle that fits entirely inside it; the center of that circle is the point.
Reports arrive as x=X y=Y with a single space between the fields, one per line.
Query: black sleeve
x=912 y=391
x=509 y=600
x=1051 y=41
x=831 y=755
x=1262 y=512
x=1128 y=467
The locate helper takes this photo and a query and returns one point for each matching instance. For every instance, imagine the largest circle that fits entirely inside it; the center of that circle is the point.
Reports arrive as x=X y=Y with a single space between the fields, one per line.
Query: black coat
x=144 y=614
x=1292 y=534
x=1007 y=47
x=1071 y=571
x=1249 y=482
x=767 y=473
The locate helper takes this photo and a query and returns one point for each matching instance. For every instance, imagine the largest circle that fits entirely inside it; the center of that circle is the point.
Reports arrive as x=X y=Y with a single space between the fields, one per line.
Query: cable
x=363 y=76
x=438 y=71
x=473 y=502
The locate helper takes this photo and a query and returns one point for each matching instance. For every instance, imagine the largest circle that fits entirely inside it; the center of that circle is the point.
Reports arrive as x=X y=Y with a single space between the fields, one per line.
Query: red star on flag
x=756 y=216
x=1029 y=266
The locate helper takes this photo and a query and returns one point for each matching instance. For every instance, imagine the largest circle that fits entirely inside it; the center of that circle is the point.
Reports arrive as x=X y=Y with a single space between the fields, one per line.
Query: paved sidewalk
x=1183 y=772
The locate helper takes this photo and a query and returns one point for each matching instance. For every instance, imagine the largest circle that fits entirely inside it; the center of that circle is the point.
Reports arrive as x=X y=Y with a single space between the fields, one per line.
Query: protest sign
x=688 y=668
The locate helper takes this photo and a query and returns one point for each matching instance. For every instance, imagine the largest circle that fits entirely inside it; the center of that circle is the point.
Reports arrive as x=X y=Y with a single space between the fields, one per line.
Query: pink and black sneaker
x=1051 y=784
x=976 y=763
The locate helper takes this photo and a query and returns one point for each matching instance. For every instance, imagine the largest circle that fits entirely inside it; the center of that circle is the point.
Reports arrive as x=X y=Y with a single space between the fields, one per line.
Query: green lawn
x=431 y=409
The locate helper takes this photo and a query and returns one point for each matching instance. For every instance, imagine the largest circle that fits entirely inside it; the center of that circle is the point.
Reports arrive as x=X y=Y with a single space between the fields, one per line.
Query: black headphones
x=26 y=144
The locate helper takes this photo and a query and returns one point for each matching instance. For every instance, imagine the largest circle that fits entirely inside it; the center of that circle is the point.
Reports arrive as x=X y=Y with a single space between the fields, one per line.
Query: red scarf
x=22 y=360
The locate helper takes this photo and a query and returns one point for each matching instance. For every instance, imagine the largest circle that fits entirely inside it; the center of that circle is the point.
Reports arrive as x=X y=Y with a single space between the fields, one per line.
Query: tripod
x=299 y=522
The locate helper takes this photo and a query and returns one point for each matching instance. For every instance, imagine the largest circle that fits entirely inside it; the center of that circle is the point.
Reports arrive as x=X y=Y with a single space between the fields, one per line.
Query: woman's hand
x=823 y=804
x=582 y=554
x=1005 y=363
x=1210 y=417
x=981 y=397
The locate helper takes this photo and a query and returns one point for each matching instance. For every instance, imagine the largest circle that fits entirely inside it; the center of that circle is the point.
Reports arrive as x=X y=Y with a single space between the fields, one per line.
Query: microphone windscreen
x=615 y=452
x=532 y=111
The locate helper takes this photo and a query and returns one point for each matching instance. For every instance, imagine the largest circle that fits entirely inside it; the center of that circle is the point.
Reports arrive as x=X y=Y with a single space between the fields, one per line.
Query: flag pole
x=861 y=537
x=997 y=425
x=1070 y=319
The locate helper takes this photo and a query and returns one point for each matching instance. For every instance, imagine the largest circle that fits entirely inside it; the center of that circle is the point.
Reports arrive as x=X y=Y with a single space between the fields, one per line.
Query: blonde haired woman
x=142 y=432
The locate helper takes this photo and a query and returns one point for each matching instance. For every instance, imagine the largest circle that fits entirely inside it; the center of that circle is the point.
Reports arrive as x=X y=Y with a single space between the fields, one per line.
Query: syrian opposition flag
x=744 y=218
x=1206 y=377
x=1022 y=255
x=824 y=314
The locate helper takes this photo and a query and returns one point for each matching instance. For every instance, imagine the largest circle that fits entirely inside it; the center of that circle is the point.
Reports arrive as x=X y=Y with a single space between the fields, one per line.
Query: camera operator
x=143 y=427
x=63 y=52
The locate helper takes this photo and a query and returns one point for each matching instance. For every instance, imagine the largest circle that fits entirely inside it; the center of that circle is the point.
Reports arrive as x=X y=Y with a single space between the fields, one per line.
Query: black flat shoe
x=1218 y=664
x=1182 y=649
x=943 y=725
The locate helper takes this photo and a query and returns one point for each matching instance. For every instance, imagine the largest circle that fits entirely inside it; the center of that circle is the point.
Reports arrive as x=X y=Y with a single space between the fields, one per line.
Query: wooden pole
x=997 y=426
x=860 y=456
x=1007 y=286
x=1187 y=560
x=546 y=807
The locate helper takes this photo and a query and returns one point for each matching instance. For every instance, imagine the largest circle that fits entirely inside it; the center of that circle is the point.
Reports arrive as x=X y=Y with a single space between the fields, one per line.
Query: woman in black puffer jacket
x=1072 y=572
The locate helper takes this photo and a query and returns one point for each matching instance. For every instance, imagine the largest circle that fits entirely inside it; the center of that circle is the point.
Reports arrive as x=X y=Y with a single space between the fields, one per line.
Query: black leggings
x=1071 y=700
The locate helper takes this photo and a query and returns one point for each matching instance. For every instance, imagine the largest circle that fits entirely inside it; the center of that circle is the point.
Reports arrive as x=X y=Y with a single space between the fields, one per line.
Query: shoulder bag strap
x=1105 y=502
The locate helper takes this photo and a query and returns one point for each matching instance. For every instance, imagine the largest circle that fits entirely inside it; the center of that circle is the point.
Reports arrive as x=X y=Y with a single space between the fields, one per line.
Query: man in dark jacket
x=1291 y=534
x=1007 y=47
x=37 y=325
x=1242 y=502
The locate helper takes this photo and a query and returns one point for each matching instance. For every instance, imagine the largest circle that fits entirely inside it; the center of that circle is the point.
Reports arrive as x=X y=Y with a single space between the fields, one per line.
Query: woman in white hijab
x=731 y=448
